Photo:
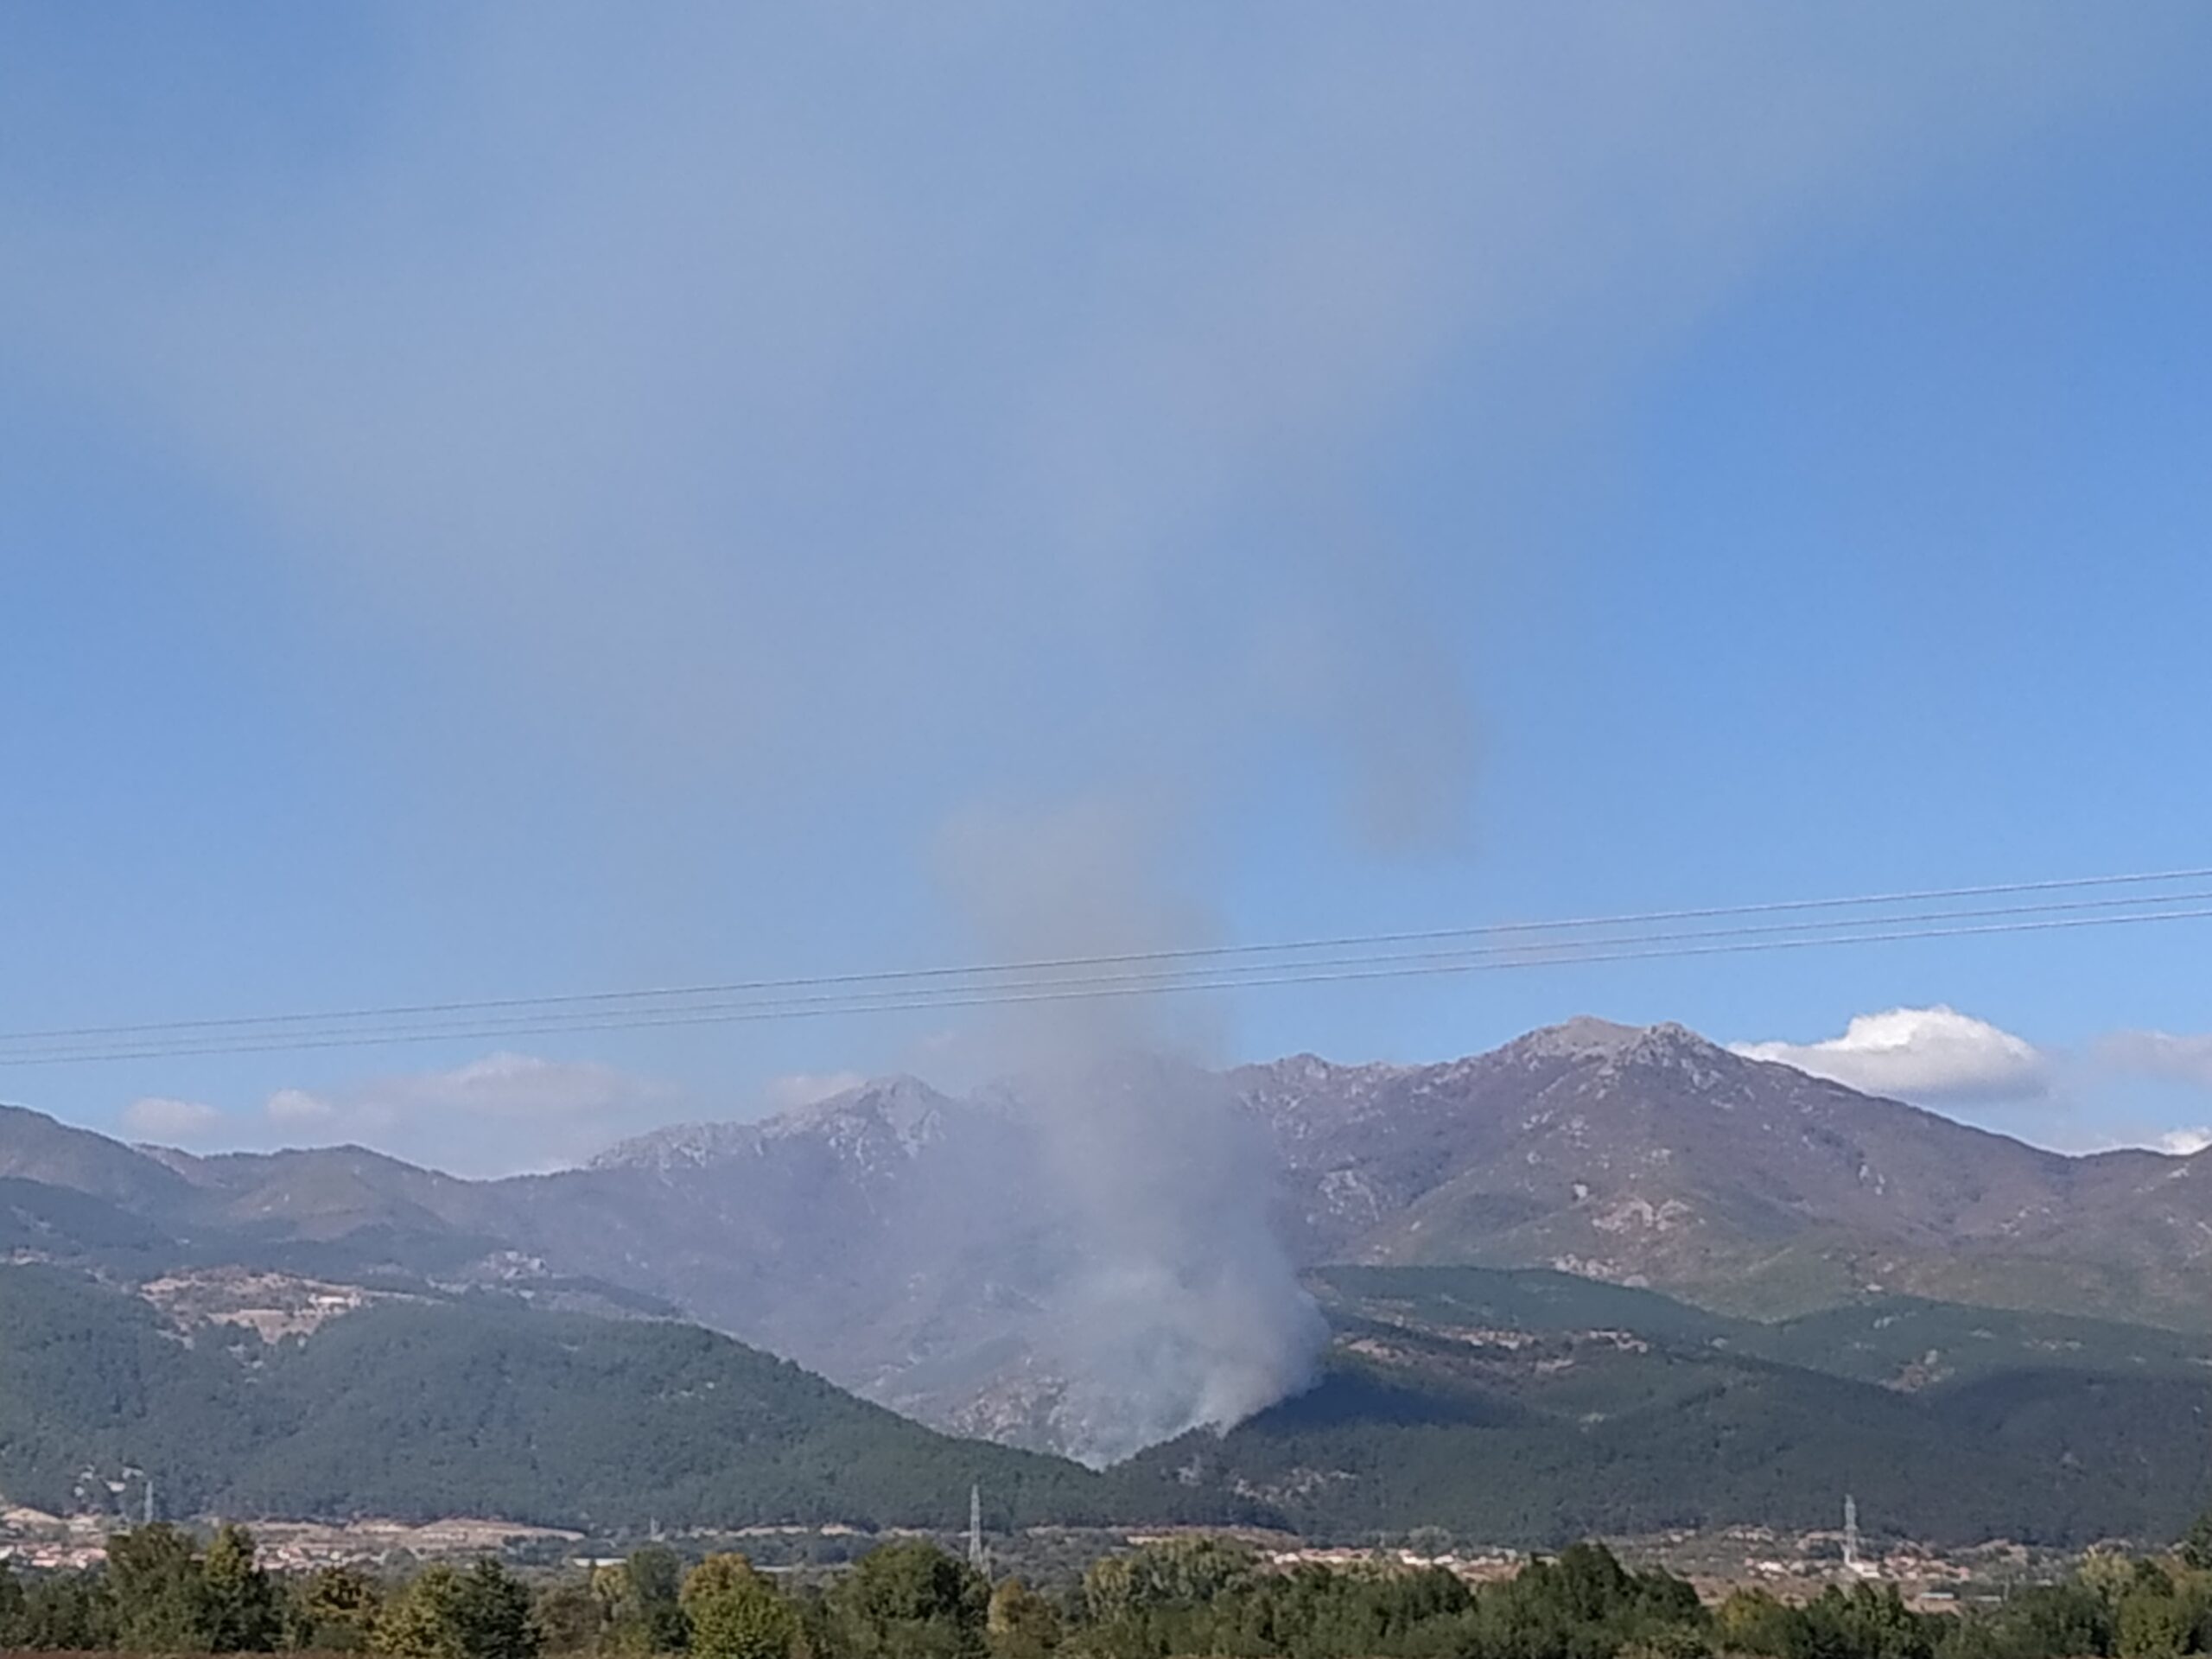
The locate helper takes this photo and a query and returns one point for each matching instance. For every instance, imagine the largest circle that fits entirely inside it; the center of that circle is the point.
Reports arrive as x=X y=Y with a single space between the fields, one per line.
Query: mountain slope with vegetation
x=422 y=1409
x=1906 y=1343
x=905 y=1243
x=1533 y=1409
x=1516 y=1408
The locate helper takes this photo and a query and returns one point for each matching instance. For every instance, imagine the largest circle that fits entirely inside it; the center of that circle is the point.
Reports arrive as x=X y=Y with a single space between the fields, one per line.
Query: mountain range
x=1654 y=1157
x=910 y=1246
x=1518 y=1407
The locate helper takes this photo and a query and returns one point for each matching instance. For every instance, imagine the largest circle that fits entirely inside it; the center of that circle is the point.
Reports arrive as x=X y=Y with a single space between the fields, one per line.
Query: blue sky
x=522 y=500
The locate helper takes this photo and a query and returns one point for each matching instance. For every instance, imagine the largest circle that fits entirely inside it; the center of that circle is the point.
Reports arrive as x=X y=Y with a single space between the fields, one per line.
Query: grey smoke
x=1185 y=1310
x=717 y=392
x=1180 y=1307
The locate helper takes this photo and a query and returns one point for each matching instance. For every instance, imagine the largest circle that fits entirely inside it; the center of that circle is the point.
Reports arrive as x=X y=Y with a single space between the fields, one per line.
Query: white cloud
x=159 y=1117
x=501 y=1114
x=1935 y=1053
x=298 y=1106
x=2077 y=1138
x=2160 y=1054
x=798 y=1089
x=1940 y=1056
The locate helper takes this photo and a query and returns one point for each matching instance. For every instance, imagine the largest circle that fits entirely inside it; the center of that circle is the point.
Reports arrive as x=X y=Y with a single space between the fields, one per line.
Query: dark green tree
x=158 y=1591
x=2155 y=1624
x=1586 y=1582
x=422 y=1621
x=239 y=1611
x=1755 y=1621
x=2196 y=1547
x=1183 y=1571
x=910 y=1600
x=1863 y=1622
x=735 y=1613
x=1021 y=1623
x=2071 y=1618
x=494 y=1610
x=332 y=1609
x=69 y=1611
x=647 y=1610
x=484 y=1613
x=571 y=1616
x=13 y=1610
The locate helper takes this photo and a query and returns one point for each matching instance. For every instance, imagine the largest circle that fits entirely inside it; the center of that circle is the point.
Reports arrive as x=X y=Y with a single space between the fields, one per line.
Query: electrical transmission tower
x=975 y=1531
x=1850 y=1533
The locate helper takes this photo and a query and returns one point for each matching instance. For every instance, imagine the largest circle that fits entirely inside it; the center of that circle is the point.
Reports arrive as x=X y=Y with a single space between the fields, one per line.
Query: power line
x=1229 y=977
x=1195 y=954
x=1165 y=981
x=1222 y=975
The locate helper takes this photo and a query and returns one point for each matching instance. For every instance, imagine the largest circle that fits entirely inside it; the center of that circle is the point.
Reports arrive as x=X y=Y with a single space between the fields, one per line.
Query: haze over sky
x=517 y=499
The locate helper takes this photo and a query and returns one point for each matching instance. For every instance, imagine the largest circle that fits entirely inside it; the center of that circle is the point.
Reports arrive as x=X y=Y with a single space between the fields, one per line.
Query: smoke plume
x=1180 y=1307
x=1185 y=1310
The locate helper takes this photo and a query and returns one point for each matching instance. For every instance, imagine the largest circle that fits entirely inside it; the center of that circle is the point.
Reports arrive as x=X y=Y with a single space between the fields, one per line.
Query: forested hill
x=1508 y=1408
x=416 y=1409
x=1534 y=1407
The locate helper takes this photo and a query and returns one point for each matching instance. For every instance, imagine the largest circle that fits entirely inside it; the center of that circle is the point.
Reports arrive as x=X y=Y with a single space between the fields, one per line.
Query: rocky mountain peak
x=680 y=1146
x=902 y=1109
x=897 y=1099
x=1584 y=1035
x=1587 y=1038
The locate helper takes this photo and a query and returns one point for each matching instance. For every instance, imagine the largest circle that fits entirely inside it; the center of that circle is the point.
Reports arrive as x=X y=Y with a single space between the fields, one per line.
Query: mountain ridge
x=908 y=1243
x=1514 y=1407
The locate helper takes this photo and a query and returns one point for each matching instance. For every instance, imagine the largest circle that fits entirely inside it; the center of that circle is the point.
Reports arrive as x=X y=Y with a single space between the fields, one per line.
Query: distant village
x=1791 y=1566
